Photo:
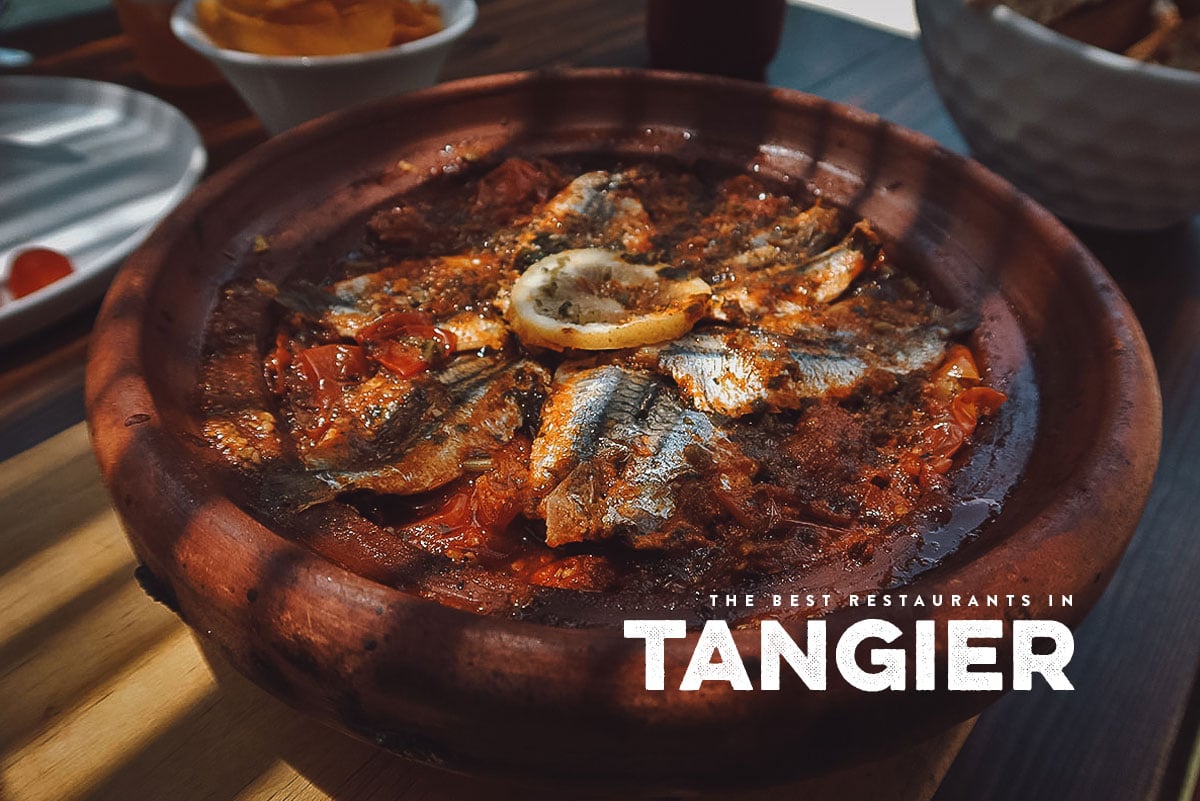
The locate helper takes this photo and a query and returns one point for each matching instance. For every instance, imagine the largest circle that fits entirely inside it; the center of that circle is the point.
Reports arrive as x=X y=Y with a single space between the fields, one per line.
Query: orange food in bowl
x=315 y=27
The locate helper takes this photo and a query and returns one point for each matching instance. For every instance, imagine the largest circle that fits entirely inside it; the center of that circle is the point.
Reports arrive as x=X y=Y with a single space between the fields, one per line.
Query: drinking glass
x=719 y=37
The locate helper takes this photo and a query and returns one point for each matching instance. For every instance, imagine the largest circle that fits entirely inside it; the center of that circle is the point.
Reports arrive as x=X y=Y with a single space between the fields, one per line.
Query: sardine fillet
x=613 y=448
x=739 y=372
x=488 y=402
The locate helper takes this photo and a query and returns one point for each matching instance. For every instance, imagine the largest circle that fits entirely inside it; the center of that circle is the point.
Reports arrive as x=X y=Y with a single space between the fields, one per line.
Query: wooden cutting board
x=105 y=694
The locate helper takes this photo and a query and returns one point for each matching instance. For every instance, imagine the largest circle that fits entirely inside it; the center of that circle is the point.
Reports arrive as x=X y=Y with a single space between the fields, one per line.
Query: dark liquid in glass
x=735 y=38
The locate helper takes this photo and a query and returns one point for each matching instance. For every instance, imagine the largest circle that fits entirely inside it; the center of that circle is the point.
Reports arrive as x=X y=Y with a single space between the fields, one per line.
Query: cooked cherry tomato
x=452 y=529
x=391 y=324
x=327 y=368
x=959 y=363
x=333 y=364
x=405 y=359
x=457 y=513
x=943 y=438
x=405 y=346
x=35 y=268
x=974 y=403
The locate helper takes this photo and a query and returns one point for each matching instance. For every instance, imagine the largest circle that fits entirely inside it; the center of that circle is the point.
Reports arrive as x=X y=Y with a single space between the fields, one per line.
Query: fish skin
x=597 y=209
x=318 y=305
x=735 y=372
x=482 y=403
x=371 y=420
x=477 y=331
x=344 y=308
x=830 y=274
x=586 y=196
x=486 y=413
x=790 y=239
x=584 y=405
x=457 y=291
x=645 y=500
x=780 y=297
x=613 y=446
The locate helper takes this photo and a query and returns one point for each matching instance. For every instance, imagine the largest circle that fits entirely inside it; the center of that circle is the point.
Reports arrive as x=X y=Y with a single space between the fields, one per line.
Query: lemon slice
x=592 y=299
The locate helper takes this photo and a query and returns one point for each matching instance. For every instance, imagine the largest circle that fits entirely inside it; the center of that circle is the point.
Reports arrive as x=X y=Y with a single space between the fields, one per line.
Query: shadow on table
x=238 y=742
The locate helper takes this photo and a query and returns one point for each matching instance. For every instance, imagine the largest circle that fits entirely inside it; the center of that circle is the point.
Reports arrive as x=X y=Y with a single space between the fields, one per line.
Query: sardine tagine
x=574 y=392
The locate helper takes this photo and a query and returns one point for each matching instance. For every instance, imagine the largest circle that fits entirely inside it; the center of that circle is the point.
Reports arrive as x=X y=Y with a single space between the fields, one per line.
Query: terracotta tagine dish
x=354 y=590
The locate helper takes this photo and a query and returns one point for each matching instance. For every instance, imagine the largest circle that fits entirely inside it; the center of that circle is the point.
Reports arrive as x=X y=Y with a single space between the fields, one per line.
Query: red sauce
x=36 y=268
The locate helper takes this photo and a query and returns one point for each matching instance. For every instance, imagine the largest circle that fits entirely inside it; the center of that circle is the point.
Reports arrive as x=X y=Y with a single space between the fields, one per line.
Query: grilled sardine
x=614 y=449
x=461 y=414
x=780 y=297
x=735 y=372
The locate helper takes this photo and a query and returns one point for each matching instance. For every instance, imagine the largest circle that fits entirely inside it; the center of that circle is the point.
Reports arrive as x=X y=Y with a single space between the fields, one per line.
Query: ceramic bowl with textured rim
x=1096 y=137
x=285 y=91
x=510 y=698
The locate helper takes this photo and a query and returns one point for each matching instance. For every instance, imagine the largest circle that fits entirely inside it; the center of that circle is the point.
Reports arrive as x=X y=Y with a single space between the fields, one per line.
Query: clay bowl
x=1077 y=444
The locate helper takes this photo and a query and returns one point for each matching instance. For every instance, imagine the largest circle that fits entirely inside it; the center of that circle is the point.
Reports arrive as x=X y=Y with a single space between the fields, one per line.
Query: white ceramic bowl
x=285 y=91
x=1096 y=137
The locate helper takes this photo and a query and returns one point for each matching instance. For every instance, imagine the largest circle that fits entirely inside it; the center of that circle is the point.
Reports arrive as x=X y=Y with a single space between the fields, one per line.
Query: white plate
x=87 y=169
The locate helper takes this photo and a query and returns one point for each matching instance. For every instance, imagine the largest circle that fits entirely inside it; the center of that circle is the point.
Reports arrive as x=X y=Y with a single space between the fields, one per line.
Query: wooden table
x=104 y=695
